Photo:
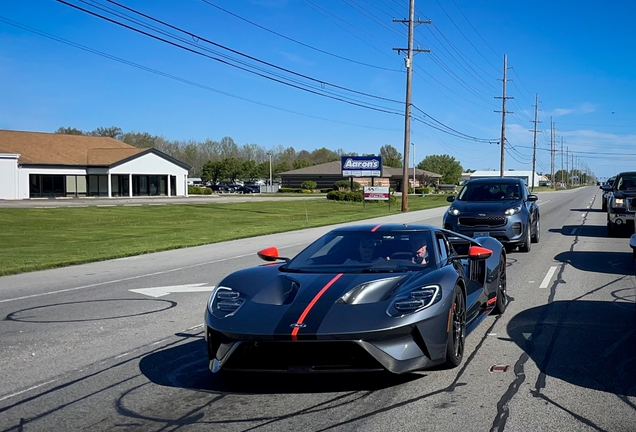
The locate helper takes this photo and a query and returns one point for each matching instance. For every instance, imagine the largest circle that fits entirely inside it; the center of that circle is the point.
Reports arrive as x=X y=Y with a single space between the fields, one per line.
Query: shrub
x=422 y=190
x=341 y=185
x=325 y=190
x=290 y=190
x=307 y=191
x=194 y=190
x=206 y=191
x=356 y=186
x=335 y=195
x=308 y=185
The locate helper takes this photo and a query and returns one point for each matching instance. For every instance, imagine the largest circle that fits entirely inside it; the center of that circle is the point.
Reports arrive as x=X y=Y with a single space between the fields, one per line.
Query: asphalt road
x=80 y=351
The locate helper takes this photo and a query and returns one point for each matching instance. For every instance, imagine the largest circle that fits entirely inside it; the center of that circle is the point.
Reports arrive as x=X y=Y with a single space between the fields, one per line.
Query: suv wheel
x=525 y=247
x=537 y=229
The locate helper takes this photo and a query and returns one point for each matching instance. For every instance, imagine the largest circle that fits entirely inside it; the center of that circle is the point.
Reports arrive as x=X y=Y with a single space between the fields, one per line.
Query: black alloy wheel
x=457 y=333
x=502 y=293
x=537 y=229
x=525 y=247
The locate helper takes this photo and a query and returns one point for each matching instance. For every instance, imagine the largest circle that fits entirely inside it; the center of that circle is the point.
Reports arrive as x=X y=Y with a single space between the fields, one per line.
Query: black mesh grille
x=493 y=221
x=301 y=357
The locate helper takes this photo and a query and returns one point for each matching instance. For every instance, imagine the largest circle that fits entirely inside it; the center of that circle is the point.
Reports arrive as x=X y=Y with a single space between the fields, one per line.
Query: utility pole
x=534 y=151
x=551 y=152
x=408 y=63
x=572 y=169
x=567 y=166
x=413 y=144
x=561 y=159
x=503 y=113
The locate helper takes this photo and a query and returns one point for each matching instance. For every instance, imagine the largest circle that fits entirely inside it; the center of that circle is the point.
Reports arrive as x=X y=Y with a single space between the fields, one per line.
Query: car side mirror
x=450 y=198
x=270 y=254
x=606 y=187
x=479 y=253
x=532 y=198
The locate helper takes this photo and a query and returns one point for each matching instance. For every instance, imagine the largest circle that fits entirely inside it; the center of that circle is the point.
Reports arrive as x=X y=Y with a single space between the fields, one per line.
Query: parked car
x=497 y=207
x=341 y=306
x=247 y=190
x=606 y=193
x=221 y=188
x=621 y=203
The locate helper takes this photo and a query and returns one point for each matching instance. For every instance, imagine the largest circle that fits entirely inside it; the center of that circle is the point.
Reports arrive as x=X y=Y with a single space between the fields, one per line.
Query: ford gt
x=395 y=298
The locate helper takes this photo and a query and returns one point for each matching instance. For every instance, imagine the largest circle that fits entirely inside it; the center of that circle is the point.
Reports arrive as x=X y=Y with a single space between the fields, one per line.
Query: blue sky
x=577 y=55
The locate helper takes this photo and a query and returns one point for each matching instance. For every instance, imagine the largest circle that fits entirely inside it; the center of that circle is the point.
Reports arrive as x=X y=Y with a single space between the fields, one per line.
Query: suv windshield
x=626 y=183
x=363 y=251
x=490 y=192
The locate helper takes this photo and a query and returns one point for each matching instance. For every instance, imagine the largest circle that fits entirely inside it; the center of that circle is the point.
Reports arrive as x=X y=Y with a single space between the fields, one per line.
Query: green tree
x=212 y=171
x=232 y=169
x=139 y=139
x=280 y=167
x=112 y=132
x=301 y=163
x=447 y=166
x=390 y=156
x=69 y=131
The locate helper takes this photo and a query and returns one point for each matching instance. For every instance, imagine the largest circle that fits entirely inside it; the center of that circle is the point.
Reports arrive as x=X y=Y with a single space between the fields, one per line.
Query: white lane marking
x=25 y=390
x=582 y=215
x=106 y=205
x=492 y=334
x=573 y=231
x=548 y=277
x=544 y=202
x=588 y=206
x=132 y=205
x=196 y=326
x=122 y=355
x=158 y=342
x=530 y=281
x=138 y=276
x=165 y=290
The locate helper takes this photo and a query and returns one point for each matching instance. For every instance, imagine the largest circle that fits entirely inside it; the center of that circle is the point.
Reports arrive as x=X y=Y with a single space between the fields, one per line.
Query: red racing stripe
x=311 y=305
x=375 y=228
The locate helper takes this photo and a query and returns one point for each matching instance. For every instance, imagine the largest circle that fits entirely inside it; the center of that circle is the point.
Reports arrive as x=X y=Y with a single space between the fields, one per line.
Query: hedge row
x=195 y=190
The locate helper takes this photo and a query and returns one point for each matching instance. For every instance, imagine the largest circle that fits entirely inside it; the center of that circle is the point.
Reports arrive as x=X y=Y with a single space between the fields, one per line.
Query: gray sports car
x=360 y=298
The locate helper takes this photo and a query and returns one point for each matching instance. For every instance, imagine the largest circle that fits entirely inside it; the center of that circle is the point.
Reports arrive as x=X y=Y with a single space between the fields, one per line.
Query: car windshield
x=490 y=192
x=626 y=183
x=366 y=252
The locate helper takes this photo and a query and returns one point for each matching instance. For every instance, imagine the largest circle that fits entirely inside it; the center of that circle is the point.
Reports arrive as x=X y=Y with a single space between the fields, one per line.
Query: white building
x=525 y=175
x=47 y=165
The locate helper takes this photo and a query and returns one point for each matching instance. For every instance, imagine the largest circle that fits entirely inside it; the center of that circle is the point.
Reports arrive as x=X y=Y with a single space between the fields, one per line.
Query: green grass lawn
x=35 y=239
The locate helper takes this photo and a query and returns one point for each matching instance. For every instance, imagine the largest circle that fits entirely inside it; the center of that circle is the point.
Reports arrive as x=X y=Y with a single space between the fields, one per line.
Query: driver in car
x=366 y=248
x=418 y=248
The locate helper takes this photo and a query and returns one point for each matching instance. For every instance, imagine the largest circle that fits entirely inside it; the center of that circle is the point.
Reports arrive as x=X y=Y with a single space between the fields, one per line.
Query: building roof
x=39 y=148
x=335 y=168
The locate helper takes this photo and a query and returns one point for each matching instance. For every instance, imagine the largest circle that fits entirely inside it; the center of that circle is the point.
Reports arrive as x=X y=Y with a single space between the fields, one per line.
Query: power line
x=296 y=41
x=176 y=78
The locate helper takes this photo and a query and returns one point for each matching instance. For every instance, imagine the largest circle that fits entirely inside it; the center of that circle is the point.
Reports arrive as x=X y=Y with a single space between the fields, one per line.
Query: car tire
x=502 y=293
x=525 y=247
x=457 y=334
x=604 y=206
x=611 y=229
x=537 y=232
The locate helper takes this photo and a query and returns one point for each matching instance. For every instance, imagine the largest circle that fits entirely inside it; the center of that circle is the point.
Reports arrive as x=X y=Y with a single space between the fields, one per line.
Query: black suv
x=498 y=207
x=606 y=193
x=621 y=202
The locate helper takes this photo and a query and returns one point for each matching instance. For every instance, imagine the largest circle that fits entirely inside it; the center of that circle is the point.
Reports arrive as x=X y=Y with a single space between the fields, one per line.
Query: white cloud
x=584 y=108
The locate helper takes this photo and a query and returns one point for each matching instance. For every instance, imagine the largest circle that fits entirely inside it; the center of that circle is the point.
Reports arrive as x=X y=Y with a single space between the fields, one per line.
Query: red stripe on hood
x=375 y=228
x=312 y=303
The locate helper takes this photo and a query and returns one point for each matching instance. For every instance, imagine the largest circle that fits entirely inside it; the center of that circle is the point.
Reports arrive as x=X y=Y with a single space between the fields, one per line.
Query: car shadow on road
x=186 y=366
x=619 y=263
x=590 y=344
x=597 y=231
x=591 y=210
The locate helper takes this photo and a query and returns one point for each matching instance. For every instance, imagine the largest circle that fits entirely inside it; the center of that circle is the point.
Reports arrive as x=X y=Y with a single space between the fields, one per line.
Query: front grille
x=493 y=221
x=313 y=356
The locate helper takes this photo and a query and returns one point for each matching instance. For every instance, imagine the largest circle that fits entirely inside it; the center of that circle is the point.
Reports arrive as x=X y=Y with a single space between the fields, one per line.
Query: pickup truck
x=621 y=203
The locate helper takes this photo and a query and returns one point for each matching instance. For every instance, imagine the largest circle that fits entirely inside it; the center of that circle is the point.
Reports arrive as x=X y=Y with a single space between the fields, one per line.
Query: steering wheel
x=401 y=256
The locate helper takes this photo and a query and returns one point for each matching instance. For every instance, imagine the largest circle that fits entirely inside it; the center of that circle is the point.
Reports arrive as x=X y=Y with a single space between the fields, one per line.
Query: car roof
x=385 y=228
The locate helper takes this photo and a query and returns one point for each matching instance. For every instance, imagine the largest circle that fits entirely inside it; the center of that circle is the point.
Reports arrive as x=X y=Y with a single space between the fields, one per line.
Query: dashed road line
x=548 y=277
x=26 y=390
x=573 y=231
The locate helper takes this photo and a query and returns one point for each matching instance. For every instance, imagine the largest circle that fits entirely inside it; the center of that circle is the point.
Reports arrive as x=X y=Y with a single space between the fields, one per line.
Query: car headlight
x=225 y=302
x=415 y=300
x=618 y=203
x=513 y=211
x=452 y=210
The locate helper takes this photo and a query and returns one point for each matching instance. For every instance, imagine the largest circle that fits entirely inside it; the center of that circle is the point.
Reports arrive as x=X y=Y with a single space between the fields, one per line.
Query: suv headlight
x=225 y=302
x=513 y=211
x=619 y=203
x=452 y=210
x=415 y=300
